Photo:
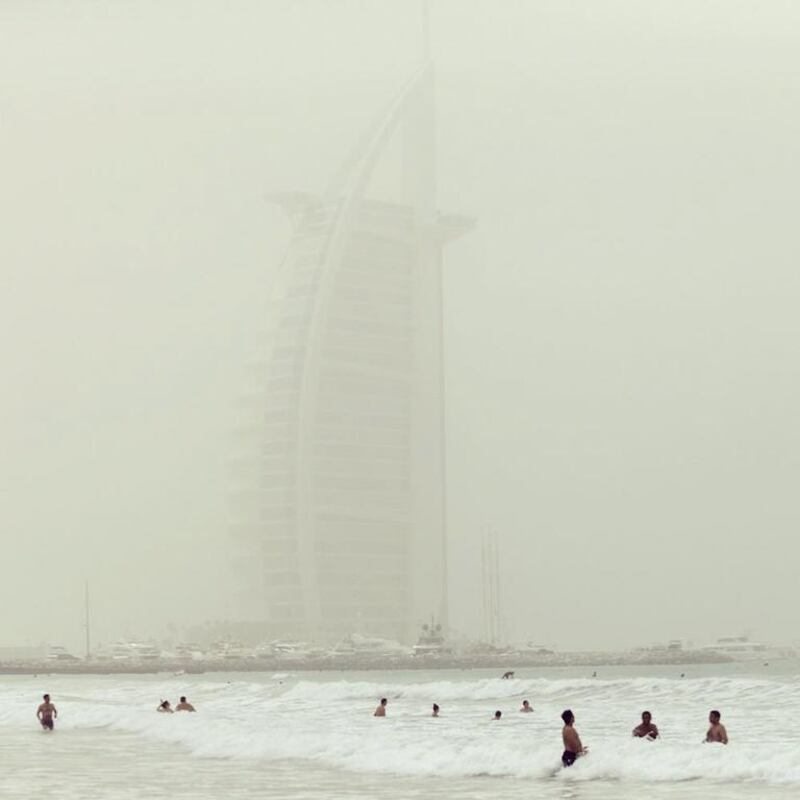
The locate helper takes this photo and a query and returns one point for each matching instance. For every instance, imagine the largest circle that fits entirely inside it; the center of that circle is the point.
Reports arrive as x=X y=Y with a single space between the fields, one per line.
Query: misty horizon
x=619 y=330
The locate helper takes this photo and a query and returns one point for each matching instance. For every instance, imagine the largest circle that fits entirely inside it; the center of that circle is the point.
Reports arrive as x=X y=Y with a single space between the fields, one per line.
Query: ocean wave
x=330 y=722
x=499 y=689
x=471 y=750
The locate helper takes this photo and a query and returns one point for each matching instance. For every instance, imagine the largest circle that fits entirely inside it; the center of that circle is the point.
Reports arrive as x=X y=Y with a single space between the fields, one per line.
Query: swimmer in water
x=435 y=710
x=46 y=713
x=647 y=730
x=164 y=707
x=497 y=715
x=717 y=732
x=573 y=747
x=184 y=706
x=380 y=711
x=526 y=707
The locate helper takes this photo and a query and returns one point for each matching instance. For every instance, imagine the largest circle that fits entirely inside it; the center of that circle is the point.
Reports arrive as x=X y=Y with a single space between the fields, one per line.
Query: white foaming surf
x=330 y=722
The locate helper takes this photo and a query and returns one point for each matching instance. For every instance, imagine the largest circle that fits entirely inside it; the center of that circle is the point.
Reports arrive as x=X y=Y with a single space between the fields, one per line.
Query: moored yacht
x=431 y=641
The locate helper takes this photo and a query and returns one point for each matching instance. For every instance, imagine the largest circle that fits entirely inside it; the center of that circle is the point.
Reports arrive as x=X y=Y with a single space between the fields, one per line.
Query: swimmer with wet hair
x=647 y=730
x=717 y=732
x=380 y=711
x=46 y=713
x=184 y=706
x=573 y=747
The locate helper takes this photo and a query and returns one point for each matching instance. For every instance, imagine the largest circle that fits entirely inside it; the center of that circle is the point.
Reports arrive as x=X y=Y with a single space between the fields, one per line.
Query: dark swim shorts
x=568 y=758
x=47 y=722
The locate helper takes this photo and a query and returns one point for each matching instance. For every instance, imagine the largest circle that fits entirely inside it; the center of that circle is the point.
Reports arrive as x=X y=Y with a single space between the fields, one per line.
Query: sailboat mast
x=86 y=619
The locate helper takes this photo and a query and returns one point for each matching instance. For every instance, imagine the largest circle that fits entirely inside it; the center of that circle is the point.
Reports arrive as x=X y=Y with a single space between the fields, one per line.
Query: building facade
x=339 y=517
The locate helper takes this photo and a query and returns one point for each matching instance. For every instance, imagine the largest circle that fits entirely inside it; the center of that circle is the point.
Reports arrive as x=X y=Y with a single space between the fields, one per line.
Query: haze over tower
x=339 y=513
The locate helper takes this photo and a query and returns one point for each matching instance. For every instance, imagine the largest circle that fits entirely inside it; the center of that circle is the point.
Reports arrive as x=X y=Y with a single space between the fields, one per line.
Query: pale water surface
x=312 y=735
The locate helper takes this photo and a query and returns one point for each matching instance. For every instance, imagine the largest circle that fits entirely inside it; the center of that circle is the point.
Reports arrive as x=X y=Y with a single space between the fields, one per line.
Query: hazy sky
x=622 y=327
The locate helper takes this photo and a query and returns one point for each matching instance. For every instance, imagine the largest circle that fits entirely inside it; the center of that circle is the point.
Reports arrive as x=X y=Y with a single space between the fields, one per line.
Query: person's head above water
x=525 y=704
x=183 y=699
x=646 y=717
x=435 y=707
x=714 y=716
x=165 y=704
x=384 y=701
x=46 y=698
x=568 y=717
x=498 y=714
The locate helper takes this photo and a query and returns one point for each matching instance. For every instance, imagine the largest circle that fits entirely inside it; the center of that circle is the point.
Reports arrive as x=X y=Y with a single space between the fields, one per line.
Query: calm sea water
x=312 y=735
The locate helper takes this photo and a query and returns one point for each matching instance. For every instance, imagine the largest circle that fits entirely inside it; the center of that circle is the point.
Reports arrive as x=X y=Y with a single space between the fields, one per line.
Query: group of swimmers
x=164 y=707
x=574 y=748
x=47 y=713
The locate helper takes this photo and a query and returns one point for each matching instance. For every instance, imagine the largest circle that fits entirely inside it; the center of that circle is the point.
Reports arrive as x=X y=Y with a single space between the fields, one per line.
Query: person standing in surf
x=647 y=730
x=717 y=732
x=184 y=706
x=380 y=711
x=46 y=713
x=573 y=747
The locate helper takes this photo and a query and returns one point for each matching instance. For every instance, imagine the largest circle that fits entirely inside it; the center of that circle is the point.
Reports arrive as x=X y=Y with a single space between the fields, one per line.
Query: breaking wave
x=331 y=723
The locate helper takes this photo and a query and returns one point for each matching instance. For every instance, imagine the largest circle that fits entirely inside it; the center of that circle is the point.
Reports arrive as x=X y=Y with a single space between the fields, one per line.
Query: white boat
x=229 y=650
x=359 y=645
x=58 y=653
x=284 y=649
x=188 y=651
x=135 y=652
x=738 y=647
x=431 y=641
x=143 y=651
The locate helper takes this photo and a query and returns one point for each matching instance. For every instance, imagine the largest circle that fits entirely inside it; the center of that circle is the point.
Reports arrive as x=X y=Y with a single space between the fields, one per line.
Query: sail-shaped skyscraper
x=339 y=517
